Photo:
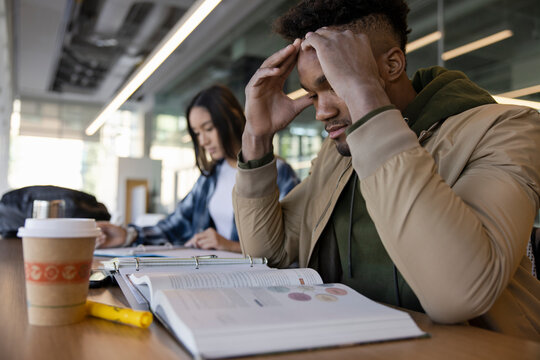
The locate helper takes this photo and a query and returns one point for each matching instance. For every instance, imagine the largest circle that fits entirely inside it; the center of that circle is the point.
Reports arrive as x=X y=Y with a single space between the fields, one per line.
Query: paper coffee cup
x=57 y=260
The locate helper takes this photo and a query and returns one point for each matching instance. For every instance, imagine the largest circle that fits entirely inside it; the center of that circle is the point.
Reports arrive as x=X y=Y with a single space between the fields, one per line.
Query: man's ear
x=393 y=64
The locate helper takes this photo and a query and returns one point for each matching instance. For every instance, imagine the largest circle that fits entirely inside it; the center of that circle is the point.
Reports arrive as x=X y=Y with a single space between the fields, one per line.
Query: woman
x=204 y=218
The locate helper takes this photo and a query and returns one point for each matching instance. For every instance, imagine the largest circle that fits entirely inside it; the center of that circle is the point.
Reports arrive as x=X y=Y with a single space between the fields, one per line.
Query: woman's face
x=205 y=131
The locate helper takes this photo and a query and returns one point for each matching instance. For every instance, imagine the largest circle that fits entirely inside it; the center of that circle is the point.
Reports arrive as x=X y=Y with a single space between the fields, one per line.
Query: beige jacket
x=454 y=210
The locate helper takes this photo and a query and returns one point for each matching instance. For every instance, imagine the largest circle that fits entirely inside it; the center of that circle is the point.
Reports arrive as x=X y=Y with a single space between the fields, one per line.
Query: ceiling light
x=521 y=92
x=423 y=41
x=193 y=17
x=477 y=44
x=297 y=94
x=506 y=100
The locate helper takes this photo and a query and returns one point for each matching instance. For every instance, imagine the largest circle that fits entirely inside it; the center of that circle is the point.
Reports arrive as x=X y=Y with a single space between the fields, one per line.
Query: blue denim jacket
x=191 y=214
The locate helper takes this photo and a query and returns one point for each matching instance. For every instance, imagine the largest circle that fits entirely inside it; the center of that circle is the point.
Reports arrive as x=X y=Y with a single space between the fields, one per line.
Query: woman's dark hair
x=227 y=117
x=310 y=15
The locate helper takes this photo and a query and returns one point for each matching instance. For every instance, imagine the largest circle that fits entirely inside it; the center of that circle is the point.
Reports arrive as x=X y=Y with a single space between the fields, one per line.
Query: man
x=424 y=194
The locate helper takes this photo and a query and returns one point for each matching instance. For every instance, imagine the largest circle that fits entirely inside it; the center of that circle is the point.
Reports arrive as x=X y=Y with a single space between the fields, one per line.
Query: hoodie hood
x=442 y=93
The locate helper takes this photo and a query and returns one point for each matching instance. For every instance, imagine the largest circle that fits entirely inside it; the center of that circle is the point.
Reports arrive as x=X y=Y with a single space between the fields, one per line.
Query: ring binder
x=197 y=261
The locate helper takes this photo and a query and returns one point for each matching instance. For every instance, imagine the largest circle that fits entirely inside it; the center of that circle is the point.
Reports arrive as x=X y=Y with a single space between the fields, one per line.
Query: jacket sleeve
x=267 y=227
x=177 y=227
x=459 y=244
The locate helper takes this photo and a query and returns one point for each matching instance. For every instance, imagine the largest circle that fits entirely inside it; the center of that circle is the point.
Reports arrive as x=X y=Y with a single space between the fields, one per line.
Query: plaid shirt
x=191 y=214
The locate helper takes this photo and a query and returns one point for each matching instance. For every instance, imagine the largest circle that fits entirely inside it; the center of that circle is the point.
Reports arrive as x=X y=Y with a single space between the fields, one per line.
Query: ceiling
x=76 y=50
x=84 y=50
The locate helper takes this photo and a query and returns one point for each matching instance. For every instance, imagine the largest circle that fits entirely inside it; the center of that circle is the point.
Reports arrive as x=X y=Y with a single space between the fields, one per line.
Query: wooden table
x=99 y=339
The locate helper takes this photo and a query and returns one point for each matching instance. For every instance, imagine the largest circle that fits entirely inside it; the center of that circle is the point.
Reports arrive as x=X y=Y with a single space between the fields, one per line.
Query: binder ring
x=196 y=262
x=136 y=264
x=250 y=260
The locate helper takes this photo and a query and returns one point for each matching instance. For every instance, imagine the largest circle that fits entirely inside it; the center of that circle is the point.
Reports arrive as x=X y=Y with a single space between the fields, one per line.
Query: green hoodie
x=441 y=93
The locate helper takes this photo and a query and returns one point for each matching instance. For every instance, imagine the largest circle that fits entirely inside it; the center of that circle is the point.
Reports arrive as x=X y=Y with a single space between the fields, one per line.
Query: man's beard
x=343 y=149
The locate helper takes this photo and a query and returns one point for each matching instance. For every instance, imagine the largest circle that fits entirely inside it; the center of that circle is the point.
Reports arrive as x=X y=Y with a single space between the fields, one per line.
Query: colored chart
x=299 y=296
x=307 y=293
x=336 y=291
x=326 y=297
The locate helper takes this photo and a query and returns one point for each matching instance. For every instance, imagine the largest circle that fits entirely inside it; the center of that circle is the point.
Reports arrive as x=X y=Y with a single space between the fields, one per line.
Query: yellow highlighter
x=137 y=318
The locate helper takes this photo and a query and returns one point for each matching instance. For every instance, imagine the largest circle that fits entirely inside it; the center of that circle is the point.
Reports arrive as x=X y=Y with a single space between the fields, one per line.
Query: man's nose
x=325 y=109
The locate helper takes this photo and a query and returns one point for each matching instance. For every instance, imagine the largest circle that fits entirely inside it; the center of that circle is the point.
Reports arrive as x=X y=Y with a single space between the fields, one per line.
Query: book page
x=139 y=295
x=150 y=283
x=279 y=318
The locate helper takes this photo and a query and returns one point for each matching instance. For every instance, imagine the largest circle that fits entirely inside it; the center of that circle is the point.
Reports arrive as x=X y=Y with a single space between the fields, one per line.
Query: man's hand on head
x=268 y=108
x=350 y=67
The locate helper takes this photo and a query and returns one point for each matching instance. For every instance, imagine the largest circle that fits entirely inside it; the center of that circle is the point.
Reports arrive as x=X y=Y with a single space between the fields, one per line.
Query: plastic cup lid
x=59 y=228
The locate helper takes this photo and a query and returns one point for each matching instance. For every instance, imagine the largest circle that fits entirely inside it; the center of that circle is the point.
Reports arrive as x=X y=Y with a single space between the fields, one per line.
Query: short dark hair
x=310 y=15
x=228 y=118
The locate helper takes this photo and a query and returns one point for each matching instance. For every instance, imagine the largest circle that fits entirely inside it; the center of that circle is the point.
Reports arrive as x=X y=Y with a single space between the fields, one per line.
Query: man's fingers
x=307 y=43
x=301 y=103
x=278 y=63
x=316 y=39
x=288 y=65
x=262 y=74
x=277 y=58
x=265 y=73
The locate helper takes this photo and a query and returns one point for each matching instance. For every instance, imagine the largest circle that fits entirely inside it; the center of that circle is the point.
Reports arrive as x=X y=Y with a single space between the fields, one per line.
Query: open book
x=220 y=310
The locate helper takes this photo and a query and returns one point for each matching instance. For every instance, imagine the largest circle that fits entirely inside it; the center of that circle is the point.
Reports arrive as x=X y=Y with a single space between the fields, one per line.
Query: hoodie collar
x=442 y=93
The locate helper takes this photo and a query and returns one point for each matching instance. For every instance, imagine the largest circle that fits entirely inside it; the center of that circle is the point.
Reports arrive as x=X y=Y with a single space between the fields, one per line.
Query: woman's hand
x=111 y=235
x=210 y=239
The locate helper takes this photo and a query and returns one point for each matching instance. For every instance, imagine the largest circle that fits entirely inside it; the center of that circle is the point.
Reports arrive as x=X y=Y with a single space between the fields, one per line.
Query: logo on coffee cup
x=57 y=273
x=51 y=272
x=69 y=272
x=32 y=271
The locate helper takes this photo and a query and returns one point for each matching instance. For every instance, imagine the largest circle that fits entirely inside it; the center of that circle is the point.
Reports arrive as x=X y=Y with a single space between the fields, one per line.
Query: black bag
x=16 y=206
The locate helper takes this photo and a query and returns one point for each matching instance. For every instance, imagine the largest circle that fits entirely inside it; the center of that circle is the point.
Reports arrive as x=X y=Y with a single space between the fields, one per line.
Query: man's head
x=369 y=16
x=383 y=21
